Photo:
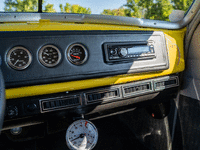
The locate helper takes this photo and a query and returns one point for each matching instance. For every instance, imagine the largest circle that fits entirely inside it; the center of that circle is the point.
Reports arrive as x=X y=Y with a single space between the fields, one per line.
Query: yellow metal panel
x=174 y=41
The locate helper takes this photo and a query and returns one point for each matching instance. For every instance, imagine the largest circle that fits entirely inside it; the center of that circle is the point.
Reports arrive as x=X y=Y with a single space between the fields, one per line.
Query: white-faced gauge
x=81 y=134
x=19 y=58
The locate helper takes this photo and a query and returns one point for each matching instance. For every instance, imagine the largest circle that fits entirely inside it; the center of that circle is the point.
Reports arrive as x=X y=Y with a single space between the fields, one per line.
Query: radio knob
x=122 y=52
x=112 y=52
x=12 y=111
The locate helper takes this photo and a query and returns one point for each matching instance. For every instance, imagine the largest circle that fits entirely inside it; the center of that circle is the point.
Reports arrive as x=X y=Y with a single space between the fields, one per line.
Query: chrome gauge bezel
x=41 y=59
x=69 y=57
x=16 y=67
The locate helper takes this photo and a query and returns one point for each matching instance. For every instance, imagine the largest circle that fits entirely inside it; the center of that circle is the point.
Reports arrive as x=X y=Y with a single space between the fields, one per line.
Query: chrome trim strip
x=19 y=17
x=102 y=19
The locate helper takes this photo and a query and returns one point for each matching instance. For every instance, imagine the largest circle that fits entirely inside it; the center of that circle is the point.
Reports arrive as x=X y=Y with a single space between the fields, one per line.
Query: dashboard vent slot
x=59 y=103
x=102 y=96
x=168 y=82
x=137 y=89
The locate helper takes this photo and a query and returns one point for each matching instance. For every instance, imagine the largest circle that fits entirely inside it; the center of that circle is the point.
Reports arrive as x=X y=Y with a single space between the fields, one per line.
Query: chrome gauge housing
x=19 y=58
x=77 y=54
x=49 y=56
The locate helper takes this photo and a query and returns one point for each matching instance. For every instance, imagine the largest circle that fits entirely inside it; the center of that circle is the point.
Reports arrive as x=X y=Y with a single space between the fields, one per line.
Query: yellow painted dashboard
x=174 y=41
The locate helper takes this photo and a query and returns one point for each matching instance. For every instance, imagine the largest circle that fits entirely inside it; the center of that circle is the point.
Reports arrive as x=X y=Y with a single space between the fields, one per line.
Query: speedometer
x=77 y=54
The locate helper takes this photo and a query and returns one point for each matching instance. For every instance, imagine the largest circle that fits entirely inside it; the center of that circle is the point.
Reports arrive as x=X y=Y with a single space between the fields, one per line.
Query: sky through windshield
x=148 y=9
x=97 y=7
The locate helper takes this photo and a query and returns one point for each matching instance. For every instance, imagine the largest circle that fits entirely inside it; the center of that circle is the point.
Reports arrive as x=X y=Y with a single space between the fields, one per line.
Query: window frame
x=101 y=19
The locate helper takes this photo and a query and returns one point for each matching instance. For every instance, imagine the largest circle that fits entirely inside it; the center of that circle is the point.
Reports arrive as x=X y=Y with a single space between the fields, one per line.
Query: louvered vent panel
x=102 y=96
x=136 y=89
x=59 y=103
x=167 y=83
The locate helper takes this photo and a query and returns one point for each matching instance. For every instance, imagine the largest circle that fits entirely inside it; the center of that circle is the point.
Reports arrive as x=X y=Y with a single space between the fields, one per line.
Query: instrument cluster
x=39 y=58
x=20 y=58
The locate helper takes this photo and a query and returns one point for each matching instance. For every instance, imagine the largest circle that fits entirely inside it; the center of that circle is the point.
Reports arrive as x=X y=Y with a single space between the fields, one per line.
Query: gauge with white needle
x=81 y=135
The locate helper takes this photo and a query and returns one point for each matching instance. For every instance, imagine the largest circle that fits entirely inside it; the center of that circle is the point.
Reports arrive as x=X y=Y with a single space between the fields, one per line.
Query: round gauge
x=77 y=54
x=49 y=55
x=81 y=134
x=19 y=58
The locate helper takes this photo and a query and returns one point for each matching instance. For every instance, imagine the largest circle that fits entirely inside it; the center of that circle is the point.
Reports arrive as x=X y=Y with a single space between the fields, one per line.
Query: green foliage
x=156 y=9
x=116 y=12
x=74 y=9
x=150 y=9
x=49 y=8
x=25 y=6
x=134 y=8
x=61 y=8
x=182 y=4
x=21 y=5
x=160 y=10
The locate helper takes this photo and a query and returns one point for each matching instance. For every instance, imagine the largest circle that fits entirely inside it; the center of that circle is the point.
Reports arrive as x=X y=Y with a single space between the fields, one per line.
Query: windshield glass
x=148 y=9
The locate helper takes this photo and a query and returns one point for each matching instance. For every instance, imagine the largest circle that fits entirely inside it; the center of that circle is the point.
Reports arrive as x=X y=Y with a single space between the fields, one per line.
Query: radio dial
x=122 y=52
x=113 y=52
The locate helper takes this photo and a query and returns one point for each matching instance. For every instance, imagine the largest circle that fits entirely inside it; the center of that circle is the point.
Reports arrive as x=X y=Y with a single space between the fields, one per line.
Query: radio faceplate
x=128 y=51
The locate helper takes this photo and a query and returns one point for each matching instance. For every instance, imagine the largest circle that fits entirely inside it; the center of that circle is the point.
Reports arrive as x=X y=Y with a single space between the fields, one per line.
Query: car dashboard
x=98 y=70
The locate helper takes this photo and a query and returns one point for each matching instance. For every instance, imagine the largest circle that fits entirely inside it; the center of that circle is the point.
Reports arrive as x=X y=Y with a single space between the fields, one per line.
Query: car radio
x=120 y=52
